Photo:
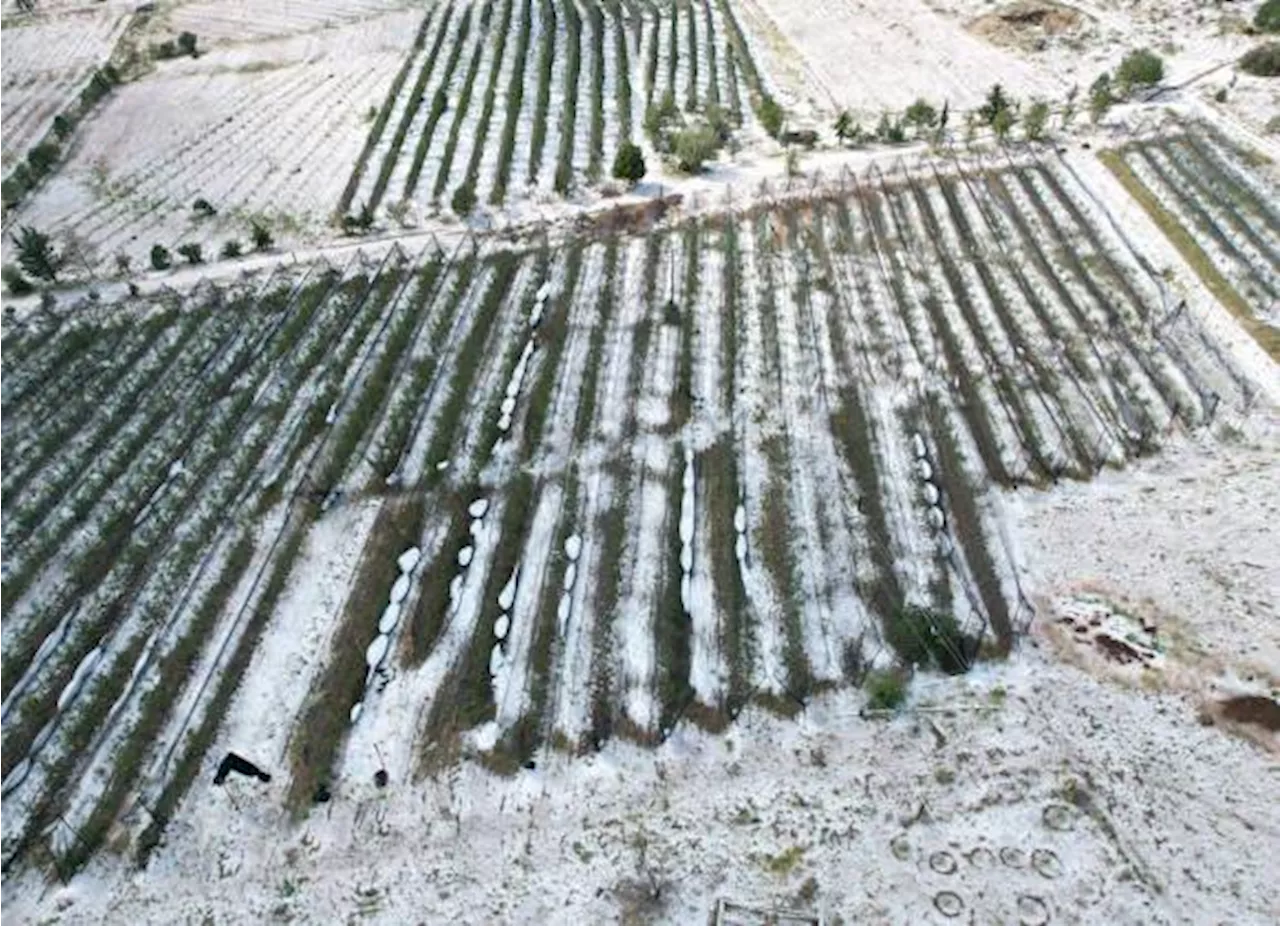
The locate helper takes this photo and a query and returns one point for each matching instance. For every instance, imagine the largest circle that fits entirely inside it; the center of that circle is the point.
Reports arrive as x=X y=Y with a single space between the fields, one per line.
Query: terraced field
x=1204 y=193
x=511 y=97
x=590 y=488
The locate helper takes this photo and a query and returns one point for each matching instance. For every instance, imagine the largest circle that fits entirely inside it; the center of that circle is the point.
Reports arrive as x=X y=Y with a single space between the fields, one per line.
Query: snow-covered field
x=845 y=44
x=265 y=130
x=48 y=59
x=517 y=504
x=549 y=574
x=1029 y=791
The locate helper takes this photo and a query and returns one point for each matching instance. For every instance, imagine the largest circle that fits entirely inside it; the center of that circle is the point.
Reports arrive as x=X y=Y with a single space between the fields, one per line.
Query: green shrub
x=36 y=255
x=1036 y=121
x=62 y=126
x=1101 y=97
x=695 y=146
x=886 y=691
x=1263 y=61
x=262 y=240
x=1142 y=68
x=924 y=637
x=997 y=103
x=42 y=158
x=232 y=249
x=629 y=164
x=464 y=200
x=160 y=259
x=1267 y=19
x=191 y=252
x=771 y=116
x=17 y=284
x=921 y=115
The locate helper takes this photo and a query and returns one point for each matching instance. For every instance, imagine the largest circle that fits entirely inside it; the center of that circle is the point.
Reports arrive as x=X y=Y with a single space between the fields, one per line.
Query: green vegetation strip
x=1268 y=338
x=672 y=627
x=411 y=110
x=465 y=698
x=380 y=120
x=591 y=374
x=464 y=101
x=569 y=113
x=515 y=103
x=542 y=106
x=439 y=103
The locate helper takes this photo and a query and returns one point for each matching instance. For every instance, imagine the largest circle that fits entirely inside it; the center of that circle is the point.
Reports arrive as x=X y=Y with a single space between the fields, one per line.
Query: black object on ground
x=240 y=765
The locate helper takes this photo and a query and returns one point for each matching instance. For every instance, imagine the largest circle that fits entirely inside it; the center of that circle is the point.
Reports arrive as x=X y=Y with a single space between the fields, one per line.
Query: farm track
x=652 y=479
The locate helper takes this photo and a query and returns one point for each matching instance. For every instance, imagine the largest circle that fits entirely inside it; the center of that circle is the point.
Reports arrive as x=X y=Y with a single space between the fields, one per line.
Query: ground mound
x=1027 y=24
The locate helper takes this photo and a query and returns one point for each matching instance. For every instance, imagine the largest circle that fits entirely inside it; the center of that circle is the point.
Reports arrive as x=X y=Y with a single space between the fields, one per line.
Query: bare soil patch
x=1027 y=24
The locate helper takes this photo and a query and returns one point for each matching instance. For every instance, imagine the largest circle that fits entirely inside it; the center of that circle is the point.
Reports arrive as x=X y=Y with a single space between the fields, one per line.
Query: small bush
x=187 y=44
x=629 y=164
x=921 y=115
x=886 y=691
x=661 y=120
x=42 y=158
x=203 y=208
x=1263 y=61
x=848 y=129
x=191 y=252
x=1036 y=121
x=890 y=130
x=924 y=637
x=695 y=146
x=232 y=249
x=1267 y=19
x=464 y=200
x=36 y=255
x=62 y=126
x=771 y=116
x=160 y=258
x=1142 y=68
x=997 y=102
x=15 y=282
x=262 y=240
x=1101 y=97
x=99 y=86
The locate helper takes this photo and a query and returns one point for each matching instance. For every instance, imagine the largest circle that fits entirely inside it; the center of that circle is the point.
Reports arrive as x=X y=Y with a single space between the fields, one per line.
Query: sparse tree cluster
x=689 y=142
x=183 y=45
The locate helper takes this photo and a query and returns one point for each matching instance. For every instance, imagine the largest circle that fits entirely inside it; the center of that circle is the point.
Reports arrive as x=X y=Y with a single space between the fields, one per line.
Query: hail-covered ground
x=543 y=571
